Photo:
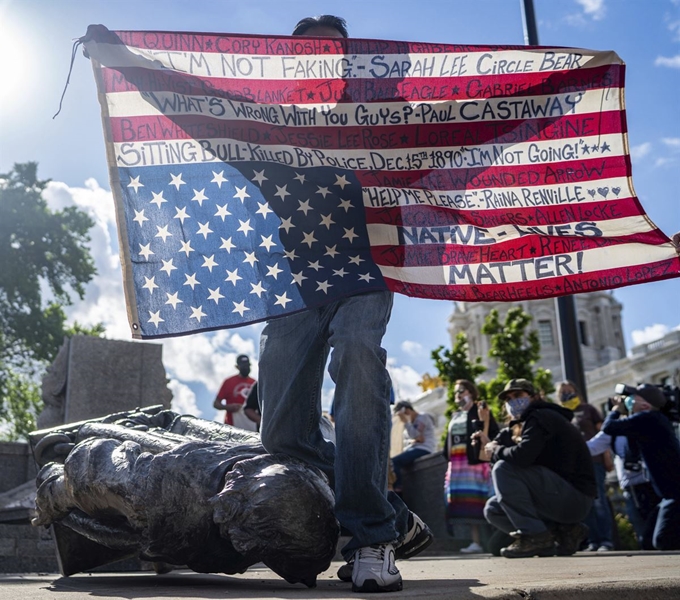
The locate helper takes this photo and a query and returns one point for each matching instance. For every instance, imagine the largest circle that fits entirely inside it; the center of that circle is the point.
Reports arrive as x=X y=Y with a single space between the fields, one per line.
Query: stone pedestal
x=92 y=377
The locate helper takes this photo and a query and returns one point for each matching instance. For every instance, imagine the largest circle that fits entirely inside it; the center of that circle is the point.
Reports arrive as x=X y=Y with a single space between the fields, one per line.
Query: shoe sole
x=415 y=546
x=372 y=586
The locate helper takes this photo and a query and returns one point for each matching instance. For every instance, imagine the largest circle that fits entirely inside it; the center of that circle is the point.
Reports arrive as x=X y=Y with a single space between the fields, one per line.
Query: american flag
x=256 y=176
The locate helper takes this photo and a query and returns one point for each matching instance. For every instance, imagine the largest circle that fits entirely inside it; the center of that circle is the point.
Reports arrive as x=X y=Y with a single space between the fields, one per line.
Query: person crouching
x=544 y=481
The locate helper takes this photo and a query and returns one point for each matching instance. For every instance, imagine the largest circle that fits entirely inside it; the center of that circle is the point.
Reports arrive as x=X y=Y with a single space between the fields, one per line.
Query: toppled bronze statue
x=183 y=491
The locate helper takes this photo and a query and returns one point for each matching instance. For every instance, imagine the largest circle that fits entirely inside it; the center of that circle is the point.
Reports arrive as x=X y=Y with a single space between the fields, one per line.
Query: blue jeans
x=599 y=520
x=532 y=499
x=293 y=354
x=667 y=529
x=404 y=459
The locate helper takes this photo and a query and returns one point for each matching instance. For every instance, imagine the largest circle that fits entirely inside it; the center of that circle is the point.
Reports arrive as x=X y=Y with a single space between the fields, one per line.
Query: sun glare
x=15 y=68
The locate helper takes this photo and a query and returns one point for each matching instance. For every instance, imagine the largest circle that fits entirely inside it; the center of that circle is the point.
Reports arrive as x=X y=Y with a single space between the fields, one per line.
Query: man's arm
x=524 y=454
x=415 y=431
x=599 y=443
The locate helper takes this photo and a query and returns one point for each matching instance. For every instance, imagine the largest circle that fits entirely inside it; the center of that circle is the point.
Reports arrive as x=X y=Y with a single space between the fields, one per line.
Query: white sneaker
x=473 y=548
x=375 y=570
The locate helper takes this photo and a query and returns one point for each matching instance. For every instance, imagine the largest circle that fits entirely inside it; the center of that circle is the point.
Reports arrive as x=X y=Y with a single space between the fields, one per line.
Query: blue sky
x=35 y=45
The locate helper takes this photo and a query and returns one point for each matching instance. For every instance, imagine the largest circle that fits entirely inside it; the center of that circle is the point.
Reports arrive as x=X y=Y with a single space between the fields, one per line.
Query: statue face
x=280 y=510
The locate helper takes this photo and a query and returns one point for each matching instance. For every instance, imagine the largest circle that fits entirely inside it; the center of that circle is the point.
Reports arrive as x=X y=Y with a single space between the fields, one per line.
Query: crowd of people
x=536 y=485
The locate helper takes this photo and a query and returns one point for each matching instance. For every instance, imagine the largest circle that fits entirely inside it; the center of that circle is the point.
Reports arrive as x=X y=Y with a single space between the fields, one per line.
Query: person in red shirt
x=234 y=390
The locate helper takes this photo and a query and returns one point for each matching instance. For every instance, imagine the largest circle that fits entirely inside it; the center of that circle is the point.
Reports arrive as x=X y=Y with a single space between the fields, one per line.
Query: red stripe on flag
x=577 y=171
x=234 y=43
x=163 y=127
x=568 y=210
x=302 y=91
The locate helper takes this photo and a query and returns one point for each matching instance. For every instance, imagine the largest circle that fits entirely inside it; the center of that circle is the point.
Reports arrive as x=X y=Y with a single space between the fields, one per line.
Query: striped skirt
x=467 y=487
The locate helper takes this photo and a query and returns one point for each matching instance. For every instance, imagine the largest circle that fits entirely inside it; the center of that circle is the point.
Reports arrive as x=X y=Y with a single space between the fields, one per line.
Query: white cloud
x=593 y=8
x=673 y=143
x=206 y=358
x=663 y=61
x=104 y=300
x=649 y=334
x=637 y=152
x=411 y=348
x=674 y=27
x=404 y=380
x=183 y=399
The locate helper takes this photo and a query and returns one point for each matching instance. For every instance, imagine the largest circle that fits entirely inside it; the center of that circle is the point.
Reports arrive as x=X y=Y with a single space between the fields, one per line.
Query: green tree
x=44 y=260
x=455 y=364
x=516 y=350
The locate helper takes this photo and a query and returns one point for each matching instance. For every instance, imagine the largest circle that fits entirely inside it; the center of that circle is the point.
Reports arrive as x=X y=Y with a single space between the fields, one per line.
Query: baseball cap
x=402 y=404
x=651 y=394
x=517 y=385
x=242 y=359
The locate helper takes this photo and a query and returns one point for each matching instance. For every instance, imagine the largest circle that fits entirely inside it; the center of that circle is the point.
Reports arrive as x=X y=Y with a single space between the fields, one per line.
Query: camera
x=477 y=425
x=622 y=389
x=672 y=407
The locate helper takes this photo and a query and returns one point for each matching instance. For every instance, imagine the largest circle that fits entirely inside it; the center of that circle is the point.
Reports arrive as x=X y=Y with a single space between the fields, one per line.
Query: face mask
x=571 y=404
x=629 y=403
x=463 y=401
x=516 y=407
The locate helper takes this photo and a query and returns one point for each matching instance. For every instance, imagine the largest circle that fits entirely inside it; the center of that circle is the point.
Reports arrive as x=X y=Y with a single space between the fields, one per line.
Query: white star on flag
x=233 y=276
x=139 y=217
x=273 y=271
x=215 y=295
x=222 y=212
x=241 y=194
x=304 y=206
x=173 y=299
x=163 y=232
x=134 y=183
x=218 y=178
x=181 y=214
x=158 y=199
x=240 y=307
x=199 y=196
x=323 y=286
x=259 y=177
x=150 y=284
x=204 y=229
x=186 y=248
x=245 y=227
x=282 y=192
x=250 y=258
x=191 y=280
x=257 y=289
x=341 y=181
x=227 y=245
x=197 y=313
x=168 y=267
x=145 y=250
x=209 y=263
x=176 y=180
x=283 y=299
x=156 y=318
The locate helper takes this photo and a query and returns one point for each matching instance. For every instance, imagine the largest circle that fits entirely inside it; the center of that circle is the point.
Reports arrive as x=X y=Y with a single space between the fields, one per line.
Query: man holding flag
x=293 y=353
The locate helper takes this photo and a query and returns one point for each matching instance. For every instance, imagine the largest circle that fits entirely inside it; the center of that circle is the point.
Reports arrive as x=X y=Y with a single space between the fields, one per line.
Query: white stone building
x=599 y=327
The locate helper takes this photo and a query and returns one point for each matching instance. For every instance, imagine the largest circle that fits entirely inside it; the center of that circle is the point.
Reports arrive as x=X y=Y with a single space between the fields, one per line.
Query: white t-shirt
x=425 y=422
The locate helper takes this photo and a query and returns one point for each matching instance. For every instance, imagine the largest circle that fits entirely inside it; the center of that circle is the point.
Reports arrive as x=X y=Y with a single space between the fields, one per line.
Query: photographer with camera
x=652 y=433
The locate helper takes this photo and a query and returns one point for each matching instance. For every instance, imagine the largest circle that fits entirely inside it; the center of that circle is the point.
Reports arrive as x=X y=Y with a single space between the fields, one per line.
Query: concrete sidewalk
x=616 y=575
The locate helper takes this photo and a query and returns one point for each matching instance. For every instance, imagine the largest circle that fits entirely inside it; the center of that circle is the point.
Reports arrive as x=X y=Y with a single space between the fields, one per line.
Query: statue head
x=279 y=510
